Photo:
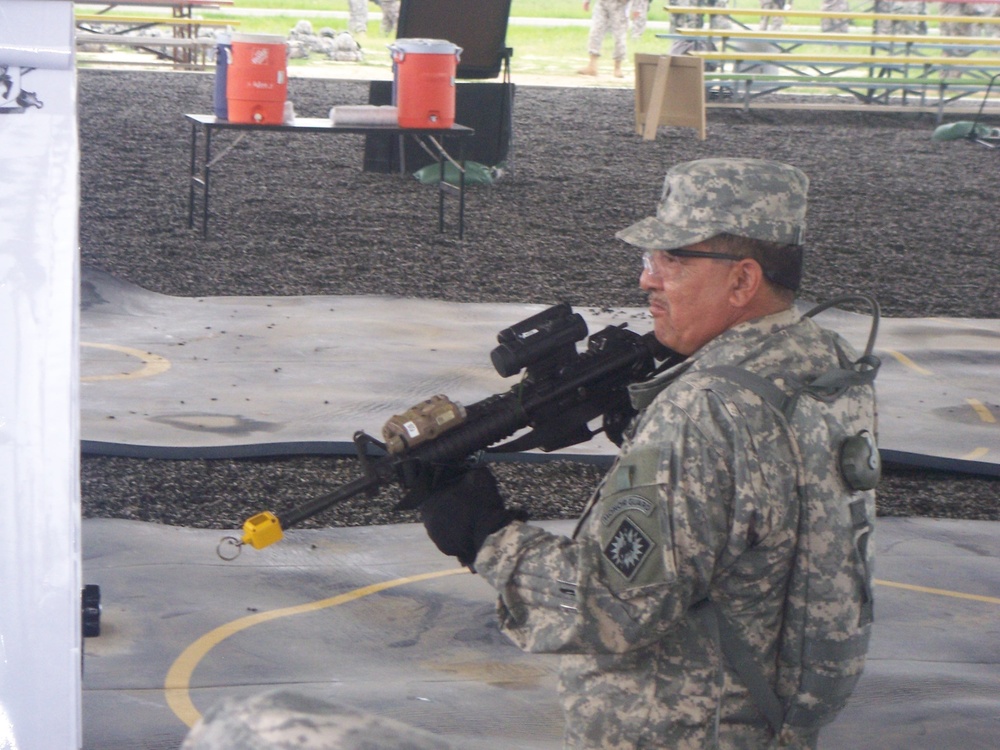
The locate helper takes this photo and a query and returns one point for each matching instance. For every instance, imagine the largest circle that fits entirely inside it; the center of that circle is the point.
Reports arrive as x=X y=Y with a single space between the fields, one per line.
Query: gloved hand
x=460 y=513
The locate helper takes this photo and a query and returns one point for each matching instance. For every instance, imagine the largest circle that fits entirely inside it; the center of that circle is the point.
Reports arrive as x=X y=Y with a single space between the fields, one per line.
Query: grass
x=519 y=8
x=538 y=50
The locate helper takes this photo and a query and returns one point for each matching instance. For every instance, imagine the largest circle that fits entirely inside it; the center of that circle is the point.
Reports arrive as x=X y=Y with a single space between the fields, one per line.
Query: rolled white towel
x=364 y=114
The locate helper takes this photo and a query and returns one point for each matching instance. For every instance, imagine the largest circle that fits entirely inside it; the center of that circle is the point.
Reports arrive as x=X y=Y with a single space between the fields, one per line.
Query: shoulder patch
x=627 y=549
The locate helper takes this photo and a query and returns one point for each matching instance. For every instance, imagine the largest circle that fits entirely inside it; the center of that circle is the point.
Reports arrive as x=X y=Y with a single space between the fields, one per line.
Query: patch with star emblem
x=628 y=547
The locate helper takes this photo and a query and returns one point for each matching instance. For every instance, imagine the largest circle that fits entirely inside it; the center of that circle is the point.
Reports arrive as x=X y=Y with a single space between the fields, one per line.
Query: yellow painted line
x=177 y=685
x=152 y=364
x=907 y=362
x=940 y=592
x=975 y=454
x=986 y=416
x=982 y=410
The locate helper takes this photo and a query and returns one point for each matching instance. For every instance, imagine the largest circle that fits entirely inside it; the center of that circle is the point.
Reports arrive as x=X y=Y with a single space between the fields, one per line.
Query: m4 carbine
x=561 y=391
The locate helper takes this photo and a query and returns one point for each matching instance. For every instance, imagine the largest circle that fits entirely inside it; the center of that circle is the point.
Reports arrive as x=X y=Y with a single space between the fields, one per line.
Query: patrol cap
x=281 y=718
x=755 y=198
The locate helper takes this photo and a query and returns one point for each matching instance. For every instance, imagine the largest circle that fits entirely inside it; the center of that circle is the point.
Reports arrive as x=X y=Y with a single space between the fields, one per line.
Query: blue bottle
x=223 y=52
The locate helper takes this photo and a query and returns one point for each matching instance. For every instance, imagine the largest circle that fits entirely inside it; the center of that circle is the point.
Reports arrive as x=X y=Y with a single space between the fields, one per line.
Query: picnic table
x=105 y=22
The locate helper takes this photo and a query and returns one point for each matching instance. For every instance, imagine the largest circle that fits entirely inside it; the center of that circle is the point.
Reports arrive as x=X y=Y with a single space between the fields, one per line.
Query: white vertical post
x=40 y=631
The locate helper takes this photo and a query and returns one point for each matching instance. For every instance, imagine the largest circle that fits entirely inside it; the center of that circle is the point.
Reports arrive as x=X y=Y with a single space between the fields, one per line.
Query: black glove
x=460 y=513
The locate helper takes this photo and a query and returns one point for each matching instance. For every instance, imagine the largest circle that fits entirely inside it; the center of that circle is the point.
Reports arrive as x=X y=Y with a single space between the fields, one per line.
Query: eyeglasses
x=649 y=263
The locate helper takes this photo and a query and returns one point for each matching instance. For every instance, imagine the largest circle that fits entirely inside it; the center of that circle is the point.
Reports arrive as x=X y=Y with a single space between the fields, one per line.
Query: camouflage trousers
x=949 y=28
x=637 y=16
x=773 y=23
x=390 y=15
x=357 y=21
x=992 y=29
x=696 y=20
x=910 y=28
x=835 y=25
x=609 y=17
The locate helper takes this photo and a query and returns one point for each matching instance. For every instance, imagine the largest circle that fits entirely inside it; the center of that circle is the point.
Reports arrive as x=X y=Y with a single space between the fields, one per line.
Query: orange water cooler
x=257 y=79
x=425 y=82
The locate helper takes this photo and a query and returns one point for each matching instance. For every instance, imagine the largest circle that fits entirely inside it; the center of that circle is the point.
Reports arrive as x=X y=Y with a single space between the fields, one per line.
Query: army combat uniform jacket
x=700 y=502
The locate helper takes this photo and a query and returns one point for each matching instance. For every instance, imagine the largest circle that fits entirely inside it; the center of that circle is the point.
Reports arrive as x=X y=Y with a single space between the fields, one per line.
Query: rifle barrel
x=345 y=492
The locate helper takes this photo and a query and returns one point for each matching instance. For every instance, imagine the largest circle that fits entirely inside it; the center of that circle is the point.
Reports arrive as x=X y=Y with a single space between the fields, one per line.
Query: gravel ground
x=892 y=214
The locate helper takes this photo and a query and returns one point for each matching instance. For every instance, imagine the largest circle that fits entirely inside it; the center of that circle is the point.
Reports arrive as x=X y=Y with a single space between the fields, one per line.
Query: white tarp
x=230 y=376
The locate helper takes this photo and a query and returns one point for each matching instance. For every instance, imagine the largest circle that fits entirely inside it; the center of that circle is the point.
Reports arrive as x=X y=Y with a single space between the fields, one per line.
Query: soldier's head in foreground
x=725 y=246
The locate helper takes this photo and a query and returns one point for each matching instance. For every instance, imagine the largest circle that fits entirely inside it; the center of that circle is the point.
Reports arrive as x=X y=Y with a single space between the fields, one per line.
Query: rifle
x=560 y=392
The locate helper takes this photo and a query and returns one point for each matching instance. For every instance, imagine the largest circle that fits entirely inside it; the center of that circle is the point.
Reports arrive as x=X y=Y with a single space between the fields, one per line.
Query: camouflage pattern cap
x=282 y=719
x=763 y=200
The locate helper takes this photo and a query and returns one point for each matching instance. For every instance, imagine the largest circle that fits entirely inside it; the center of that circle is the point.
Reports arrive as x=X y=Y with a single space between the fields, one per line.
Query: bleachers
x=176 y=38
x=927 y=72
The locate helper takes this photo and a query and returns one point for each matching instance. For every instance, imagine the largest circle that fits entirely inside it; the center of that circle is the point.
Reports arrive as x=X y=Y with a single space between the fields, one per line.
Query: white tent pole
x=40 y=631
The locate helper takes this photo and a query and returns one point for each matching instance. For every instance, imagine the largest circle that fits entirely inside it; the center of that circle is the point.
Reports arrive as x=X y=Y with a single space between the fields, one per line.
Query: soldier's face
x=689 y=298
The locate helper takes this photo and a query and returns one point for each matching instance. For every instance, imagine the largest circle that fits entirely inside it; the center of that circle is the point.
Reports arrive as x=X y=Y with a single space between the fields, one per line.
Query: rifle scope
x=550 y=335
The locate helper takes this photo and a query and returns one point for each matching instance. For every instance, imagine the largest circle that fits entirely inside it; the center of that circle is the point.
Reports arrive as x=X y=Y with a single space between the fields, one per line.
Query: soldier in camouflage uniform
x=702 y=499
x=609 y=17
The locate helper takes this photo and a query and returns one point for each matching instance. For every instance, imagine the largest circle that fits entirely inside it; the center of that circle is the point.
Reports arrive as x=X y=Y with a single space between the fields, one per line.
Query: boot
x=591 y=69
x=618 y=69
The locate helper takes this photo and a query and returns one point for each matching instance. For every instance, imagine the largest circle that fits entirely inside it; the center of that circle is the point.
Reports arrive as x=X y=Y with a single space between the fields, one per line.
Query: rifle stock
x=561 y=391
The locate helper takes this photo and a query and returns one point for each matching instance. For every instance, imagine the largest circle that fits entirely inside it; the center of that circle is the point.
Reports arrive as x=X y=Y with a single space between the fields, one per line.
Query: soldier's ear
x=745 y=280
